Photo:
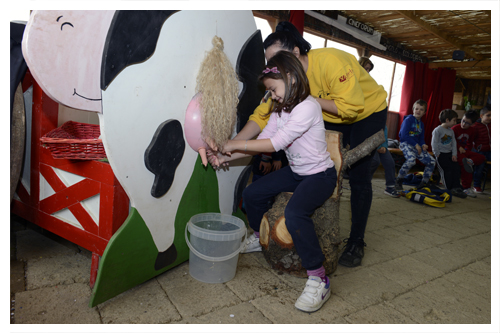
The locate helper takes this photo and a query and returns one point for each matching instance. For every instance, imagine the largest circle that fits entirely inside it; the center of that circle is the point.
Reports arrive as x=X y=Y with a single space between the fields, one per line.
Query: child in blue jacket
x=413 y=146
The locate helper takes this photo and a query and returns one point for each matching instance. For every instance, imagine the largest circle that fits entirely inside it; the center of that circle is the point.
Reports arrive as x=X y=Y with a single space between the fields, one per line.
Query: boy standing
x=466 y=134
x=482 y=144
x=444 y=147
x=413 y=145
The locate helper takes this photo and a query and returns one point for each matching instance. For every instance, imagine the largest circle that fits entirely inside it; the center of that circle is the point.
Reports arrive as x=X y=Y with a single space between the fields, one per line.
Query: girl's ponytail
x=288 y=36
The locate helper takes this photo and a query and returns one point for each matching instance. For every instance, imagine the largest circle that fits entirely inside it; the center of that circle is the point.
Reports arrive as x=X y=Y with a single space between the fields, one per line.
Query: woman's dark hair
x=447 y=114
x=288 y=37
x=285 y=66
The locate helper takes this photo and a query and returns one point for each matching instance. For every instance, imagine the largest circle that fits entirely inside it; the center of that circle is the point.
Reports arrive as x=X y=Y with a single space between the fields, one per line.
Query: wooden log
x=366 y=147
x=334 y=147
x=278 y=248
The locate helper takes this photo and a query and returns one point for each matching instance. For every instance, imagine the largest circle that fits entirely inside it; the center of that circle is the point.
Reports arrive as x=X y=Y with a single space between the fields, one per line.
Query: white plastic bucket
x=214 y=245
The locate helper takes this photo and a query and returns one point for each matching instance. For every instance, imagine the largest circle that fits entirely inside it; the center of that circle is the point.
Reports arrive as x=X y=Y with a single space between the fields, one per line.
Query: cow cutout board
x=133 y=105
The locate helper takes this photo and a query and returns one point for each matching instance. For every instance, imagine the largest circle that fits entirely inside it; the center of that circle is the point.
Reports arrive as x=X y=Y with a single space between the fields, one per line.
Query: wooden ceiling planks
x=435 y=34
x=430 y=34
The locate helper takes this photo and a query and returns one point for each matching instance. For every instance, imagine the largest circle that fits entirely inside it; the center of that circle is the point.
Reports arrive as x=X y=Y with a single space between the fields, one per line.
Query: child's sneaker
x=252 y=245
x=468 y=165
x=391 y=191
x=399 y=184
x=458 y=192
x=315 y=294
x=470 y=192
x=478 y=190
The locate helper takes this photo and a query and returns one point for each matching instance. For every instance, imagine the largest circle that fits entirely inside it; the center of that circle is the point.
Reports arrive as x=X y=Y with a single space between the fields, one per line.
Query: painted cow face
x=68 y=48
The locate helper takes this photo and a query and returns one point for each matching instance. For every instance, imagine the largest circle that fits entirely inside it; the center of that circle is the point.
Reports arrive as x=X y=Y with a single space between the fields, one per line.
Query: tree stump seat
x=276 y=241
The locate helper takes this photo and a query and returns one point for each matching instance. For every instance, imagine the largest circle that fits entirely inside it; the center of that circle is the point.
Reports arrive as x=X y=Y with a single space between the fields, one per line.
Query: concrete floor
x=422 y=265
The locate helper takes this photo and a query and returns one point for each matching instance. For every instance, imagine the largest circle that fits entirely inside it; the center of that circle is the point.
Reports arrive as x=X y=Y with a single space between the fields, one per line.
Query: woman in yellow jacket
x=352 y=102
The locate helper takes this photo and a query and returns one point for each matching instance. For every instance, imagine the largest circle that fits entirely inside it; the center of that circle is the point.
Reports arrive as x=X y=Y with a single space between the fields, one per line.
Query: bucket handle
x=202 y=256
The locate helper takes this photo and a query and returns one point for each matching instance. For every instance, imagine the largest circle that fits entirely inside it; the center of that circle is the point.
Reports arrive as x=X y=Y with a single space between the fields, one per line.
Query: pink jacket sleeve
x=301 y=119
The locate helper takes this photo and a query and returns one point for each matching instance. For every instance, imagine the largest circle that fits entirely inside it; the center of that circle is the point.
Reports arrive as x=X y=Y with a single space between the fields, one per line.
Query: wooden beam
x=411 y=16
x=424 y=47
x=474 y=77
x=469 y=27
x=404 y=36
x=486 y=42
x=460 y=64
x=380 y=18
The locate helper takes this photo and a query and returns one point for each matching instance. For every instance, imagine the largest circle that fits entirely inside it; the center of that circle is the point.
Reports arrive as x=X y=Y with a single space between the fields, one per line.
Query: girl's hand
x=216 y=159
x=425 y=147
x=461 y=150
x=381 y=150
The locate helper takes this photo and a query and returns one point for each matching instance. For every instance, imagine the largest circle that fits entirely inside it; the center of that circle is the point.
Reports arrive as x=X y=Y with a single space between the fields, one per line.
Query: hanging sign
x=360 y=25
x=356 y=29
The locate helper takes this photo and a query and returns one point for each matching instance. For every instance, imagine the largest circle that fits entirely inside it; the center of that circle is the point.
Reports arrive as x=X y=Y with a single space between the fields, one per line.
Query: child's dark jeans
x=309 y=193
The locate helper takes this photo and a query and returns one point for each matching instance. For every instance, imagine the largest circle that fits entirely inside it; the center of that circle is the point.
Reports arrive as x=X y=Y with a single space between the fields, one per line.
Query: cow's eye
x=66 y=23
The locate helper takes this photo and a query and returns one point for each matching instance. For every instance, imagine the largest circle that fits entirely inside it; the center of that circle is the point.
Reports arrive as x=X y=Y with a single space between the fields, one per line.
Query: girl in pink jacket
x=296 y=126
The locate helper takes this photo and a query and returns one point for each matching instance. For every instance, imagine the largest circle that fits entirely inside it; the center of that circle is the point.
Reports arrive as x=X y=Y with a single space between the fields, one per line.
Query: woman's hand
x=265 y=167
x=277 y=165
x=211 y=143
x=328 y=105
x=229 y=147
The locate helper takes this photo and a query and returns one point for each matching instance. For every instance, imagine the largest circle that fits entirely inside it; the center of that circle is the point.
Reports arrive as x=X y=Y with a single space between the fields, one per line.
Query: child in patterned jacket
x=413 y=145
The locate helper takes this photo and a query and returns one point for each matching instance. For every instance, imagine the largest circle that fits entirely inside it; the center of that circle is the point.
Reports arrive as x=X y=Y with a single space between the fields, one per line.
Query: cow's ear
x=131 y=39
x=248 y=66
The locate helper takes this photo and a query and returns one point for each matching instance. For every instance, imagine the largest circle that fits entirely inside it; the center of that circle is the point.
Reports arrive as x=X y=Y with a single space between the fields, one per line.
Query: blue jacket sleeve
x=404 y=135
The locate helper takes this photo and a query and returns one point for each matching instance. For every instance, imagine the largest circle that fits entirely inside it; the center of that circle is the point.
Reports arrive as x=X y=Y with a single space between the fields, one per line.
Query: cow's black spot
x=164 y=154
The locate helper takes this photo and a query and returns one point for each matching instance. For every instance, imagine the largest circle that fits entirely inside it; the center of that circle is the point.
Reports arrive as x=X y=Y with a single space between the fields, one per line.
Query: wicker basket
x=75 y=141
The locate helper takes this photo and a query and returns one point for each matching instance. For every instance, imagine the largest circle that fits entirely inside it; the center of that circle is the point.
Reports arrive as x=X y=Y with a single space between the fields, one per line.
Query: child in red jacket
x=466 y=134
x=482 y=144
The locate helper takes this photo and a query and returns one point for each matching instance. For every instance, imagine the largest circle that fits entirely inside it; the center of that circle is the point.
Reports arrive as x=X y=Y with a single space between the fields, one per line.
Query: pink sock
x=320 y=272
x=256 y=233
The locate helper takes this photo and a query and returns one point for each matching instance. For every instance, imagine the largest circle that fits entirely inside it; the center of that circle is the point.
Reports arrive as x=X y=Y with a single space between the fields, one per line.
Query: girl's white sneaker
x=252 y=245
x=315 y=294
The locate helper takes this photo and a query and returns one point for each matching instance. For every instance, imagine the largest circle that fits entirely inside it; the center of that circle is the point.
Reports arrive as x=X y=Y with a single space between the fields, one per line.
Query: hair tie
x=273 y=70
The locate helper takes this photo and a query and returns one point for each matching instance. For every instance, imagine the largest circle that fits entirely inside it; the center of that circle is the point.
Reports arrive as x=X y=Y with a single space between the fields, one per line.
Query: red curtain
x=434 y=87
x=297 y=19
